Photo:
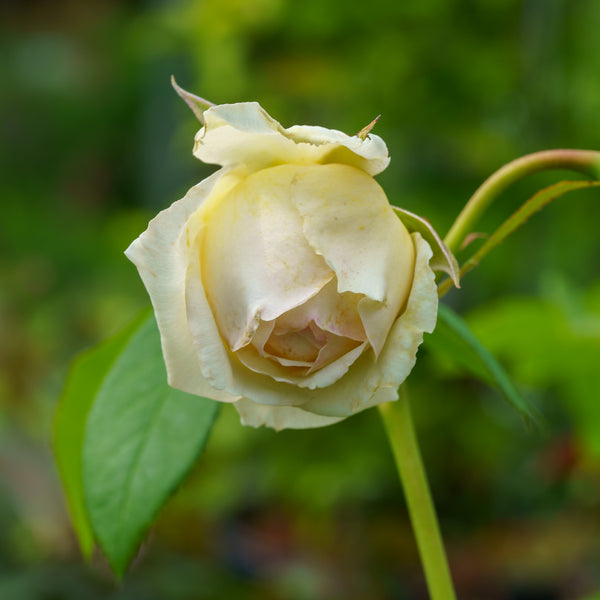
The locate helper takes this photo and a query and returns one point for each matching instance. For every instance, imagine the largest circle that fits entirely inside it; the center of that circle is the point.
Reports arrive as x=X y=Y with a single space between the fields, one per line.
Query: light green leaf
x=453 y=337
x=534 y=204
x=85 y=378
x=141 y=439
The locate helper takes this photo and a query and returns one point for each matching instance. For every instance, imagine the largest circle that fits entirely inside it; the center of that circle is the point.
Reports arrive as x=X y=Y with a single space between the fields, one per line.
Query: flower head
x=285 y=283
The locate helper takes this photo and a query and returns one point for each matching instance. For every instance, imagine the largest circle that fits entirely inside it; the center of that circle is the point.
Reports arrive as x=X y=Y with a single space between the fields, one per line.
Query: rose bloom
x=285 y=283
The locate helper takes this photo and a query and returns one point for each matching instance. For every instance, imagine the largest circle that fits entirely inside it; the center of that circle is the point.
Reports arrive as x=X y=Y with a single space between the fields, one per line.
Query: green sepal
x=197 y=104
x=442 y=259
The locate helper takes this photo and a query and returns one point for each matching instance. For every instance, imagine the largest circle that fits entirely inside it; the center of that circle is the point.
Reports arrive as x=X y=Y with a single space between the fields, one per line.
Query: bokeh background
x=94 y=142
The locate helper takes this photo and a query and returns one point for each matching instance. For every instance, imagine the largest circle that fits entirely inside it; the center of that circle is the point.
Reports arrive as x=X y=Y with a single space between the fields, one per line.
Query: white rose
x=285 y=283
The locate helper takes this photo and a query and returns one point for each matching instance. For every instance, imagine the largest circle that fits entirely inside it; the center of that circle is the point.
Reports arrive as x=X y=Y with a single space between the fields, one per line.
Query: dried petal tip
x=364 y=132
x=197 y=104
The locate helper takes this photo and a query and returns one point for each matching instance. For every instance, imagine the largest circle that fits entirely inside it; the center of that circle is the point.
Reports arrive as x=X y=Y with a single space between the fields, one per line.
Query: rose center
x=303 y=345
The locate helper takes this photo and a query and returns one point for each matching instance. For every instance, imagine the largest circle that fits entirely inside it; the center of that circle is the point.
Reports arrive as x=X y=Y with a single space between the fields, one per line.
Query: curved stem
x=582 y=161
x=516 y=220
x=400 y=430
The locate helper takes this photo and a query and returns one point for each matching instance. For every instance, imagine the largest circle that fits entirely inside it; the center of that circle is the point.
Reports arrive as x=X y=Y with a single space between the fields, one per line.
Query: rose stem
x=401 y=433
x=582 y=161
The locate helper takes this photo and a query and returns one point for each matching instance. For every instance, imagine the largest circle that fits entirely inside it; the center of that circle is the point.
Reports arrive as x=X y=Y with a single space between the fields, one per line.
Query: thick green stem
x=401 y=433
x=582 y=161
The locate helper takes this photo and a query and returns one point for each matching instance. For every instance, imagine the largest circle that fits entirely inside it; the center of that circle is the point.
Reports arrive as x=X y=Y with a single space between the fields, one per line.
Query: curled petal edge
x=280 y=417
x=245 y=134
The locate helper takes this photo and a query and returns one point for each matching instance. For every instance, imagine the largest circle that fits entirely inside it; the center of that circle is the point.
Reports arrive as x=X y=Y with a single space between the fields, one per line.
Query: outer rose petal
x=206 y=368
x=292 y=417
x=368 y=375
x=349 y=221
x=369 y=382
x=280 y=417
x=349 y=394
x=255 y=260
x=244 y=134
x=161 y=256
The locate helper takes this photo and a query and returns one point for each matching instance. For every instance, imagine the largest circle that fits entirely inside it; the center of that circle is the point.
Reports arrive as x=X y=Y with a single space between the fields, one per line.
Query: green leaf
x=141 y=439
x=453 y=337
x=557 y=348
x=520 y=217
x=85 y=378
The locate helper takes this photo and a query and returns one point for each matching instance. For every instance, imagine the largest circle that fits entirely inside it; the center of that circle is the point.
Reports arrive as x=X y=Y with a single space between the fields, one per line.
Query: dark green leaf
x=453 y=338
x=557 y=347
x=142 y=437
x=85 y=378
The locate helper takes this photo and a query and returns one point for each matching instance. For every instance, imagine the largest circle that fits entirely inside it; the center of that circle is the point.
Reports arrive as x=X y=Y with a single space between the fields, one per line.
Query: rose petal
x=330 y=310
x=369 y=155
x=369 y=376
x=243 y=133
x=262 y=334
x=336 y=347
x=355 y=391
x=279 y=417
x=294 y=345
x=161 y=256
x=349 y=221
x=256 y=262
x=298 y=378
x=226 y=370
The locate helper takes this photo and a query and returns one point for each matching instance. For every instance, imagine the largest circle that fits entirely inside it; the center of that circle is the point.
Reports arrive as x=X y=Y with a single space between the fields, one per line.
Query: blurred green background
x=95 y=142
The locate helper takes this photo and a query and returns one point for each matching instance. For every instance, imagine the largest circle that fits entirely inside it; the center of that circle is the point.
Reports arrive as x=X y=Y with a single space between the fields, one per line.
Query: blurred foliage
x=95 y=142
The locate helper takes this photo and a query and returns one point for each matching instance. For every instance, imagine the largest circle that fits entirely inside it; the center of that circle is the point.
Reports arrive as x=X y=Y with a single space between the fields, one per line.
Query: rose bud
x=286 y=283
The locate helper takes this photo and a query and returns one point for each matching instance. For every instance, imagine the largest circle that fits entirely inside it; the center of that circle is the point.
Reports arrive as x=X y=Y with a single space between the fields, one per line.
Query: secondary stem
x=400 y=430
x=582 y=161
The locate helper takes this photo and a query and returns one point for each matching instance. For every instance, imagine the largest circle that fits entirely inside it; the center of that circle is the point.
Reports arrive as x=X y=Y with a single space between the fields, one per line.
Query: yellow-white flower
x=285 y=283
